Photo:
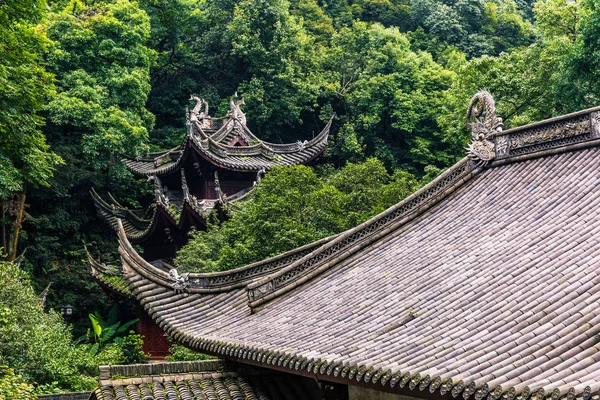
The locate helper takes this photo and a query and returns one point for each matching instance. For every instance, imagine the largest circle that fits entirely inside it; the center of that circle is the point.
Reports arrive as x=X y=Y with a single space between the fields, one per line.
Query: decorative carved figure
x=160 y=192
x=180 y=282
x=235 y=111
x=259 y=175
x=197 y=114
x=301 y=145
x=220 y=195
x=481 y=117
x=184 y=186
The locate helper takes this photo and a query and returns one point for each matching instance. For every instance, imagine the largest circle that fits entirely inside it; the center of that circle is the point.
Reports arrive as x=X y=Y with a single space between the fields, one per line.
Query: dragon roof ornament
x=484 y=124
x=235 y=111
x=197 y=114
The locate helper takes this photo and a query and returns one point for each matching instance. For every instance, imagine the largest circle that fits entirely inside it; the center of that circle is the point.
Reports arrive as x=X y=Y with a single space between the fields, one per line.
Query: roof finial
x=482 y=119
x=235 y=111
x=197 y=114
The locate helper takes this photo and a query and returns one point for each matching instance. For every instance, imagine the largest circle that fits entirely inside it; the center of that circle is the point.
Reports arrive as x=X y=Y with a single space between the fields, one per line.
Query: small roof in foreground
x=212 y=380
x=484 y=283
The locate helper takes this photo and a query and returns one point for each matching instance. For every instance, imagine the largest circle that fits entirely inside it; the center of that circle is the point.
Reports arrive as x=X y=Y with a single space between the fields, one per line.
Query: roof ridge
x=547 y=136
x=348 y=242
x=212 y=282
x=162 y=368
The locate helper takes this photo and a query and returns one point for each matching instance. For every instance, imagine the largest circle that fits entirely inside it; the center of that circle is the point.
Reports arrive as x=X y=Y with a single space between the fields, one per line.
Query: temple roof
x=484 y=283
x=175 y=212
x=211 y=380
x=232 y=146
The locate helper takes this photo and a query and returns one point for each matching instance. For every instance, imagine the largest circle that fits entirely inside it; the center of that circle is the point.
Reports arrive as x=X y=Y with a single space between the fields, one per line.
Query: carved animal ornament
x=484 y=124
x=179 y=282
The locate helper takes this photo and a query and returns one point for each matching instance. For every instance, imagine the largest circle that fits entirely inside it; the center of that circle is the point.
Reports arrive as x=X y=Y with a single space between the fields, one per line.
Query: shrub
x=132 y=349
x=39 y=345
x=13 y=387
x=182 y=353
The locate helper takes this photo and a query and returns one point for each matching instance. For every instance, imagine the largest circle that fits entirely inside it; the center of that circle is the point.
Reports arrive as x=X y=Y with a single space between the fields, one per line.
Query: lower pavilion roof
x=484 y=283
x=210 y=380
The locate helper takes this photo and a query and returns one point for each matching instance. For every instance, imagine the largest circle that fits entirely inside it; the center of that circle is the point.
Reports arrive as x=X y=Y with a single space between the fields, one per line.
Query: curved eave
x=108 y=277
x=253 y=158
x=216 y=282
x=137 y=229
x=261 y=156
x=147 y=167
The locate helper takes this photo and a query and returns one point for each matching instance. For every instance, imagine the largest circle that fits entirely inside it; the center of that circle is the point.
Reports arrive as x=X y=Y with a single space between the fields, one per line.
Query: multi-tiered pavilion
x=215 y=167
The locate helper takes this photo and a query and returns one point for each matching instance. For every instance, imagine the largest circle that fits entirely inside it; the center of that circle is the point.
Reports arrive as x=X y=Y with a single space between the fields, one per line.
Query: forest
x=83 y=82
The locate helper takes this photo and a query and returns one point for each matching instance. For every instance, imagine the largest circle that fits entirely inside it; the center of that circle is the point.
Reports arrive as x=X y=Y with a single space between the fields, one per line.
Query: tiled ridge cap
x=208 y=147
x=544 y=137
x=352 y=240
x=548 y=121
x=108 y=372
x=233 y=157
x=212 y=282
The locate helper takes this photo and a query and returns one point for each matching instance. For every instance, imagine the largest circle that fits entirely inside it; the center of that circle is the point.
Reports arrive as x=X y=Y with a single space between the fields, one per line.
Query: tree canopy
x=83 y=82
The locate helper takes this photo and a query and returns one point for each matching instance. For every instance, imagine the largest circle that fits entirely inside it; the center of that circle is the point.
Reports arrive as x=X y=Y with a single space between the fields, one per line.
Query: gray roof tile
x=482 y=283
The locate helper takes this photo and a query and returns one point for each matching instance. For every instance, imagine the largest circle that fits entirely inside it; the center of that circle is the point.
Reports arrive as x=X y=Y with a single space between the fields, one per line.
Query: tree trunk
x=19 y=206
x=3 y=243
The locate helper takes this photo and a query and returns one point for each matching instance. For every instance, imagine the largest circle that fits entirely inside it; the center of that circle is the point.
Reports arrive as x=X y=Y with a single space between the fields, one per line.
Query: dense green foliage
x=84 y=81
x=25 y=85
x=13 y=387
x=106 y=331
x=181 y=353
x=292 y=207
x=39 y=345
x=133 y=353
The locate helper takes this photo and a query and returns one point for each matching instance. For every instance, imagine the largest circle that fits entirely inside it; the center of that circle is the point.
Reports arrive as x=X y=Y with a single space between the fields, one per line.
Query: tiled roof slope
x=202 y=380
x=482 y=284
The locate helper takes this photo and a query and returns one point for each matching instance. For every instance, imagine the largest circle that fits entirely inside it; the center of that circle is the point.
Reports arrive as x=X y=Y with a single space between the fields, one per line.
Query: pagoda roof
x=211 y=379
x=218 y=148
x=484 y=283
x=165 y=212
